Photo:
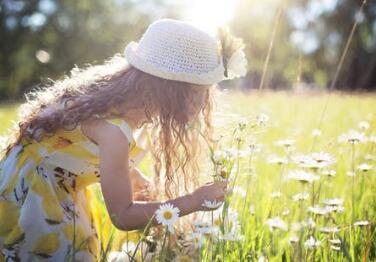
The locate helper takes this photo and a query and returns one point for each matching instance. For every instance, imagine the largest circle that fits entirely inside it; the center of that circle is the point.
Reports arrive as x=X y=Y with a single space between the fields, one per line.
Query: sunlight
x=209 y=14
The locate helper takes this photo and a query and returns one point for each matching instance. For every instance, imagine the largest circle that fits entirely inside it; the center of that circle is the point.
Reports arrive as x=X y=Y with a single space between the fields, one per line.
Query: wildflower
x=364 y=125
x=336 y=248
x=315 y=160
x=300 y=196
x=364 y=167
x=352 y=137
x=312 y=243
x=273 y=159
x=293 y=239
x=262 y=258
x=212 y=204
x=167 y=215
x=322 y=211
x=361 y=223
x=323 y=158
x=301 y=159
x=327 y=230
x=262 y=119
x=117 y=256
x=333 y=201
x=276 y=222
x=285 y=143
x=128 y=247
x=302 y=176
x=276 y=194
x=316 y=133
x=285 y=212
x=335 y=241
x=337 y=209
x=252 y=210
x=328 y=173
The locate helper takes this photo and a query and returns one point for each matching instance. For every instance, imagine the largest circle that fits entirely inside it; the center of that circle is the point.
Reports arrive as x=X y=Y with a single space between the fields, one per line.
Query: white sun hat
x=179 y=50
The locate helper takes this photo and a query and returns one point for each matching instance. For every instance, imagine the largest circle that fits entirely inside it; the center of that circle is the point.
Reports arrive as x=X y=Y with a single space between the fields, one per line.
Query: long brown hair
x=94 y=89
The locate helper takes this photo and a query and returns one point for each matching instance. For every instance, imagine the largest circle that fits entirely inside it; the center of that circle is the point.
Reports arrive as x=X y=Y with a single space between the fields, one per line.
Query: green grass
x=292 y=116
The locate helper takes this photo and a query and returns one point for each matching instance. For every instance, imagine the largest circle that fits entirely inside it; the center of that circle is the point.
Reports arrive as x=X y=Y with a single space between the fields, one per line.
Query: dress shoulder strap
x=124 y=127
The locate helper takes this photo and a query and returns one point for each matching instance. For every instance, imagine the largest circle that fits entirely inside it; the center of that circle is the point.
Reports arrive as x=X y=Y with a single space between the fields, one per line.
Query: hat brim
x=208 y=78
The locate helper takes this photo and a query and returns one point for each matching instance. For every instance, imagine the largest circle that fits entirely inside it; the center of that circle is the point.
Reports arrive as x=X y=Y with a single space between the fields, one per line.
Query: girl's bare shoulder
x=101 y=131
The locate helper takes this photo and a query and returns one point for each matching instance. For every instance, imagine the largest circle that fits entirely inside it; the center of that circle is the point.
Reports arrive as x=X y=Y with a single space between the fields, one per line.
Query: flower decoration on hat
x=231 y=49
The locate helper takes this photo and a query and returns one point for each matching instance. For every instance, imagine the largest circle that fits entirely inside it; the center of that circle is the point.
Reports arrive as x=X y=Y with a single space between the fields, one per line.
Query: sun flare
x=209 y=14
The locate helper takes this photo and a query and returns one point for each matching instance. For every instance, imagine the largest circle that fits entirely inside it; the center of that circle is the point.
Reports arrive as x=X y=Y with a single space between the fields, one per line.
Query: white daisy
x=353 y=137
x=322 y=211
x=302 y=176
x=293 y=239
x=167 y=215
x=262 y=119
x=333 y=201
x=300 y=196
x=316 y=133
x=252 y=210
x=276 y=194
x=336 y=248
x=285 y=212
x=212 y=204
x=361 y=223
x=364 y=167
x=274 y=159
x=312 y=243
x=285 y=143
x=118 y=256
x=335 y=241
x=276 y=222
x=323 y=158
x=364 y=125
x=328 y=230
x=328 y=173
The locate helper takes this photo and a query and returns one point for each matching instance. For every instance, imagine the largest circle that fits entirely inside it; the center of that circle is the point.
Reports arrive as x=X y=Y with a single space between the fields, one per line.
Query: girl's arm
x=116 y=185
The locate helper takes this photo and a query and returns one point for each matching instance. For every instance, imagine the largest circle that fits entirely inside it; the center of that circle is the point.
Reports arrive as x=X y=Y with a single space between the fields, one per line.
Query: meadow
x=302 y=171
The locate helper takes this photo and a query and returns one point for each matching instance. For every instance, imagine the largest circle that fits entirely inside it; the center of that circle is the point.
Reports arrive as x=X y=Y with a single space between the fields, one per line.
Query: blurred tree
x=41 y=38
x=46 y=38
x=310 y=38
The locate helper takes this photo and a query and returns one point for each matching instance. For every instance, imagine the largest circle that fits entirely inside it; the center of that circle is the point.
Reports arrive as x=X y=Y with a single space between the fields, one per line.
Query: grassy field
x=303 y=187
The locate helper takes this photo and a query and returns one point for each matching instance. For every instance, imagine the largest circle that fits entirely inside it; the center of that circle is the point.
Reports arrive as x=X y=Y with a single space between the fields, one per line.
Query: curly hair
x=94 y=89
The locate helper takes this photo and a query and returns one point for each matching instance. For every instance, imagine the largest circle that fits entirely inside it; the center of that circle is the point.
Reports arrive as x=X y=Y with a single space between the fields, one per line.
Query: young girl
x=92 y=127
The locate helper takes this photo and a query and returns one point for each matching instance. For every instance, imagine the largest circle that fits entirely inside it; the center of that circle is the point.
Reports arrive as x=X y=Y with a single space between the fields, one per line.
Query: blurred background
x=295 y=44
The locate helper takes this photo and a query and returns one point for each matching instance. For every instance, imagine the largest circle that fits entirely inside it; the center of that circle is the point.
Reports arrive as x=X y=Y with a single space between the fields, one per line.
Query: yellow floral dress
x=48 y=209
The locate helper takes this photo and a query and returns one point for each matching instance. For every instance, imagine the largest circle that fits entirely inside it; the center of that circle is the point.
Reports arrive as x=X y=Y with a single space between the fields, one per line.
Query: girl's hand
x=211 y=191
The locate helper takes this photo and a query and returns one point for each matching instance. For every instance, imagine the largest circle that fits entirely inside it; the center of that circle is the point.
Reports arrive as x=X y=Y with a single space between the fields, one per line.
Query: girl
x=95 y=126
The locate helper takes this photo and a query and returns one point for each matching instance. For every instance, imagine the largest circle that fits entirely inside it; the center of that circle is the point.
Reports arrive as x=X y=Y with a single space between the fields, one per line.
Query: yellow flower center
x=167 y=215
